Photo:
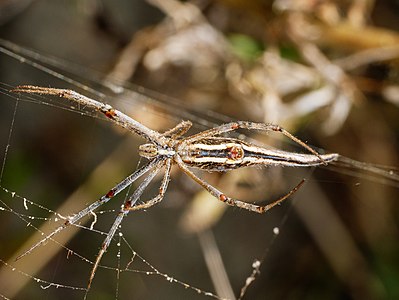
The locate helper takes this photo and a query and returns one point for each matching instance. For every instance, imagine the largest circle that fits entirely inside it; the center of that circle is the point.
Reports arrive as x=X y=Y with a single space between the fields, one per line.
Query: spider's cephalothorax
x=151 y=151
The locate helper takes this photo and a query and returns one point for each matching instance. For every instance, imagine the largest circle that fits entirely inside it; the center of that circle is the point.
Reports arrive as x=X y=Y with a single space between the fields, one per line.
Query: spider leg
x=111 y=113
x=123 y=213
x=233 y=202
x=250 y=126
x=87 y=210
x=162 y=189
x=178 y=130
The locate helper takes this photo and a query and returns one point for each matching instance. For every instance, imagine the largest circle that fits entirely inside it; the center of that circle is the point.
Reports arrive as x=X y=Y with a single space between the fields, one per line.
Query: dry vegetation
x=326 y=70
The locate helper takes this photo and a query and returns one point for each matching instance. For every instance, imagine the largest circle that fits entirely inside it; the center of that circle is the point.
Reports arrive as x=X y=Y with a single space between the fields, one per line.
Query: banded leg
x=162 y=189
x=233 y=202
x=225 y=128
x=92 y=207
x=123 y=213
x=111 y=113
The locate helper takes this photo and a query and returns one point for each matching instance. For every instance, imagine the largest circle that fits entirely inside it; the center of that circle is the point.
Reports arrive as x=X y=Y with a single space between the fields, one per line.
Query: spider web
x=30 y=217
x=29 y=221
x=133 y=263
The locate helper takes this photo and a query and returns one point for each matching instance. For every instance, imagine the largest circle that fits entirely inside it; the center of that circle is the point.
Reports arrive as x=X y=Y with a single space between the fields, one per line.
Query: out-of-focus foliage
x=327 y=70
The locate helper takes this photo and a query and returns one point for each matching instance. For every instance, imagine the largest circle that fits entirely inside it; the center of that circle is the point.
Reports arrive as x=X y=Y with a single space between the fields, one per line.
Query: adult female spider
x=206 y=150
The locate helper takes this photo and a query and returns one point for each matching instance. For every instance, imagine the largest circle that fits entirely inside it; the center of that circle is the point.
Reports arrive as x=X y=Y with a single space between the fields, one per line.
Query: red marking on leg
x=235 y=126
x=223 y=197
x=110 y=113
x=261 y=209
x=127 y=205
x=110 y=194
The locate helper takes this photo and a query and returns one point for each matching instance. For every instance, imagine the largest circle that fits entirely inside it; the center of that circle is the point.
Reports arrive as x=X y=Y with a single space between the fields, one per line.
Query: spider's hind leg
x=234 y=202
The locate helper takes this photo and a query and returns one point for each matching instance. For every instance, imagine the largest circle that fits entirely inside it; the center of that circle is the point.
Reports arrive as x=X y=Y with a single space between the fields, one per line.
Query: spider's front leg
x=113 y=115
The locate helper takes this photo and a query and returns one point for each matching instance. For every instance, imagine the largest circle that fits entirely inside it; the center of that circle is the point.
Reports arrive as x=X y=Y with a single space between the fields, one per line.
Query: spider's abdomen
x=223 y=154
x=215 y=154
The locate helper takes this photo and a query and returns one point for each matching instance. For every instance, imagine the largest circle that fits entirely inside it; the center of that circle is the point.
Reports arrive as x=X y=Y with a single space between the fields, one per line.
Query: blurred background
x=327 y=71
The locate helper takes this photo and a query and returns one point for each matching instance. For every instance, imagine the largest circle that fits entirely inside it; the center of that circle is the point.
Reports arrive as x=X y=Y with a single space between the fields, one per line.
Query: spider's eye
x=148 y=150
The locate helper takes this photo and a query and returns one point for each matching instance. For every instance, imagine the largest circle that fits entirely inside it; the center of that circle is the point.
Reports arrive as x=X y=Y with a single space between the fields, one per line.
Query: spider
x=206 y=150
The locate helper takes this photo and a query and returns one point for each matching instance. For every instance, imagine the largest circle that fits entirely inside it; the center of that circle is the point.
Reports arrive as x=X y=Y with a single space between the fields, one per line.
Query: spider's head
x=148 y=150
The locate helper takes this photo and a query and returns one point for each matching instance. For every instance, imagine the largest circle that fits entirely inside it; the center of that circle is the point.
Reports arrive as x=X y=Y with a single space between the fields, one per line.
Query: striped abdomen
x=219 y=154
